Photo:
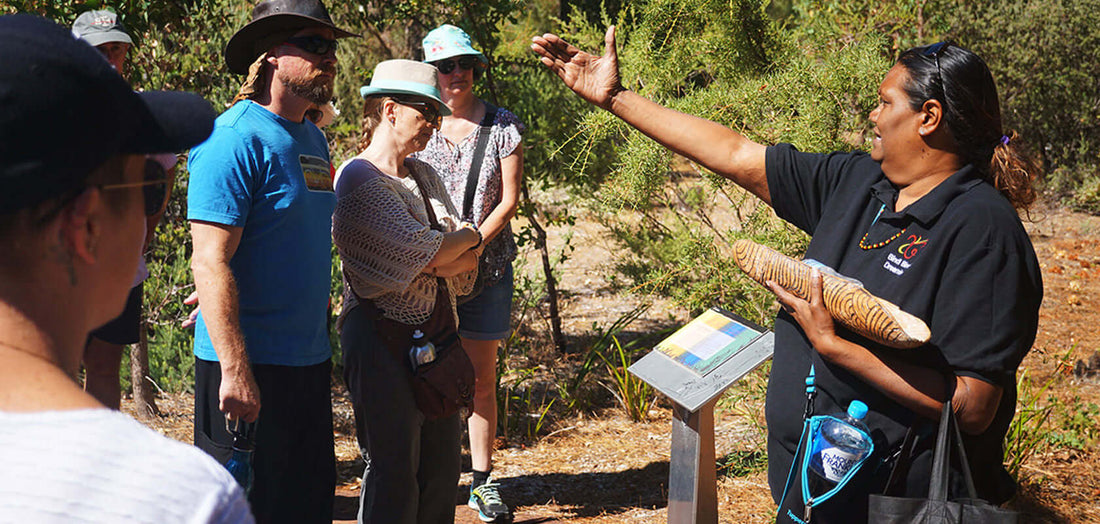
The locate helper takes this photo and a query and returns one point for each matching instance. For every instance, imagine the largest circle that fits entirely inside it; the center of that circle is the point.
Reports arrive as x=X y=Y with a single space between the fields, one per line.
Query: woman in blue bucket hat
x=404 y=255
x=477 y=153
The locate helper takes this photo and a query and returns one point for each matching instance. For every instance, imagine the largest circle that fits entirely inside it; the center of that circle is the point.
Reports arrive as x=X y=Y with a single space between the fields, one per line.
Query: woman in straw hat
x=397 y=253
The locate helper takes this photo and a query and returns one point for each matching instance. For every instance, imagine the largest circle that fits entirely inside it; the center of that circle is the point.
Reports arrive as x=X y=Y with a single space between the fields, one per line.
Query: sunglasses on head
x=154 y=188
x=934 y=51
x=465 y=62
x=314 y=44
x=429 y=111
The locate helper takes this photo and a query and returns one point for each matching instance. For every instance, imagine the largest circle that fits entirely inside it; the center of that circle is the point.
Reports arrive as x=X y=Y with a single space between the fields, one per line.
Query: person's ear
x=389 y=111
x=81 y=226
x=931 y=117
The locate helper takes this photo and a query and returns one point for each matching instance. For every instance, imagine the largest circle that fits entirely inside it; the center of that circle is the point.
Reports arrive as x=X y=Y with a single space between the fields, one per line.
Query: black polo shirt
x=958 y=258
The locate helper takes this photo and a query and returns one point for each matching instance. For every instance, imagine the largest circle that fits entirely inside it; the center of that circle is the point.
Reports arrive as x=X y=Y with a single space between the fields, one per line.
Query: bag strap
x=903 y=457
x=475 y=163
x=948 y=435
x=432 y=220
x=440 y=281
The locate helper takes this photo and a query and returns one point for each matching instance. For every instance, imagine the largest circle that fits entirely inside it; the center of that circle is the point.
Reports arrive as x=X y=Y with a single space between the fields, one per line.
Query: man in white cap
x=105 y=32
x=103 y=354
x=260 y=202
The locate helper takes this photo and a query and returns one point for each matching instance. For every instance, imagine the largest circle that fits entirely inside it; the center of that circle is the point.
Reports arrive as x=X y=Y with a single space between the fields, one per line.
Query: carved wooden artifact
x=846 y=299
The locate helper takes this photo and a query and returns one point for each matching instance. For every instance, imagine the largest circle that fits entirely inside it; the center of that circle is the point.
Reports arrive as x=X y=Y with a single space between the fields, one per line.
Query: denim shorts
x=488 y=316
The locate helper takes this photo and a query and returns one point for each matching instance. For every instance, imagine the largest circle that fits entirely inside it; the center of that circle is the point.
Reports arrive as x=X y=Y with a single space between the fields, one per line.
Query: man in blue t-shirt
x=260 y=203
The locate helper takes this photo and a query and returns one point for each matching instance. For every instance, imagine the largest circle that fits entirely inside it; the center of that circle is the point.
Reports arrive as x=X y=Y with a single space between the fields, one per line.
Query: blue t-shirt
x=272 y=177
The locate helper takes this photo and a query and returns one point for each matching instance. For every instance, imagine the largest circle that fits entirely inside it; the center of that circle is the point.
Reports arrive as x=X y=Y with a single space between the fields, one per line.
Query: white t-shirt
x=101 y=466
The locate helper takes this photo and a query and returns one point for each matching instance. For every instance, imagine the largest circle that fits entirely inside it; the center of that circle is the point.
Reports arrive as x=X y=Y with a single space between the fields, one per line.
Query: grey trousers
x=412 y=464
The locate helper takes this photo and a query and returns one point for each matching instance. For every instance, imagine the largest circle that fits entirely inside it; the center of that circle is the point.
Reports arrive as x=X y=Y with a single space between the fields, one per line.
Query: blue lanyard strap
x=880 y=208
x=811 y=393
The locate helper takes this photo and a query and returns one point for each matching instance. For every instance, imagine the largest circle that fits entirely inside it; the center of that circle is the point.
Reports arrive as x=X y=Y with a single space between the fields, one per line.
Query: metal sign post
x=692 y=483
x=692 y=478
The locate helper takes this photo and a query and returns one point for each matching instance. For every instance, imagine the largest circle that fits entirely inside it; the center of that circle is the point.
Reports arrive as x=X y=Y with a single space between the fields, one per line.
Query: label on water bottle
x=836 y=462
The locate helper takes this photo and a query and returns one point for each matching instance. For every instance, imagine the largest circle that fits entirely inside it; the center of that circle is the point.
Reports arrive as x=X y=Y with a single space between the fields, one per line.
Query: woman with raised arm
x=405 y=255
x=927 y=220
x=478 y=154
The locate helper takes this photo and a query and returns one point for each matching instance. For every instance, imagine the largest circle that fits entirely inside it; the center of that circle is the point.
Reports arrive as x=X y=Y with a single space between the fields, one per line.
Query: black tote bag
x=936 y=509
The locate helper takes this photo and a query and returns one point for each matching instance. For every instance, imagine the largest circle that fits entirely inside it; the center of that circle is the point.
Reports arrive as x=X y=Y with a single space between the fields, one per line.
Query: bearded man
x=260 y=203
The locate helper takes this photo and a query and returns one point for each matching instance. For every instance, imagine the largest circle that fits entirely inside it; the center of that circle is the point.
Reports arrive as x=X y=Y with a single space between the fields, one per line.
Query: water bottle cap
x=857 y=410
x=418 y=334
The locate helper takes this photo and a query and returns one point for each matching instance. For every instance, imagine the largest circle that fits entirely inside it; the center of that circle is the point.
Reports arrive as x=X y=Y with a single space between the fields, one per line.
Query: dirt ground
x=601 y=467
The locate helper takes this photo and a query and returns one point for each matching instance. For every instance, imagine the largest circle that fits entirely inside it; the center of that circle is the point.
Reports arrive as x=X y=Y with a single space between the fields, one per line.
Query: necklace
x=863 y=241
x=28 y=353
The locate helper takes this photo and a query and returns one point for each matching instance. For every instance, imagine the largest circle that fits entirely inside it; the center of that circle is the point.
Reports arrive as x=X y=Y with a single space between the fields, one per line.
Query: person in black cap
x=73 y=144
x=260 y=202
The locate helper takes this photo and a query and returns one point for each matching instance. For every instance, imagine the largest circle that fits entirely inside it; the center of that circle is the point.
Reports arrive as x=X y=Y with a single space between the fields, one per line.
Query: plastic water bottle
x=837 y=446
x=422 y=351
x=240 y=463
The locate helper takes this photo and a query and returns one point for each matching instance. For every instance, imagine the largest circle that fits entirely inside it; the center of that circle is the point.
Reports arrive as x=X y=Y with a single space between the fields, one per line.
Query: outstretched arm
x=596 y=79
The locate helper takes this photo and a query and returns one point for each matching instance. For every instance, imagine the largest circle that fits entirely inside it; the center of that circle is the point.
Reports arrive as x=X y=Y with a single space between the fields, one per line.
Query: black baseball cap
x=64 y=111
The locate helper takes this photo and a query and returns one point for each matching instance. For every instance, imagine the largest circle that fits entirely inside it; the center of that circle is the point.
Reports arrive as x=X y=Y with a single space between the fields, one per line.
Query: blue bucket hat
x=446 y=41
x=405 y=77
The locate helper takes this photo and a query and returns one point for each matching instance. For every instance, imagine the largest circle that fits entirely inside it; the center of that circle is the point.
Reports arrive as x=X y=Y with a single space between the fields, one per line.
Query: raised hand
x=594 y=78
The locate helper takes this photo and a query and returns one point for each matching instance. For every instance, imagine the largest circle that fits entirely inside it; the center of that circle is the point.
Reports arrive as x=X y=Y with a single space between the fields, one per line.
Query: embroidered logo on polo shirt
x=900 y=262
x=913 y=244
x=317 y=172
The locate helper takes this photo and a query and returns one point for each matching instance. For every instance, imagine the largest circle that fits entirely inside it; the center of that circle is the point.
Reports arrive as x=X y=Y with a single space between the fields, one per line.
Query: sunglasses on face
x=465 y=62
x=314 y=44
x=154 y=188
x=429 y=111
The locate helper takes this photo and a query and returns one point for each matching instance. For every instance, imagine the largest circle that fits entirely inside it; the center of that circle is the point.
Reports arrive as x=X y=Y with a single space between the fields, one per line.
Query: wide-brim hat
x=405 y=77
x=66 y=111
x=100 y=27
x=272 y=22
x=447 y=41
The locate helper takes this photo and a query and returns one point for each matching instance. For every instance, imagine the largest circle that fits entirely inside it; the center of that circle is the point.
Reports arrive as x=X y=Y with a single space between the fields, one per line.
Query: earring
x=393 y=121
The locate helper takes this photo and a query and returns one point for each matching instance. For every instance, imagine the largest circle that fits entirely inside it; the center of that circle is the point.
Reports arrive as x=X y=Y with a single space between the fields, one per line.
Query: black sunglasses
x=429 y=111
x=934 y=51
x=466 y=62
x=317 y=45
x=154 y=188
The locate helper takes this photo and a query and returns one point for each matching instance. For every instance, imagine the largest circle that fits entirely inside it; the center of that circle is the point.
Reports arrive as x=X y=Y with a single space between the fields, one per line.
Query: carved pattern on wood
x=847 y=301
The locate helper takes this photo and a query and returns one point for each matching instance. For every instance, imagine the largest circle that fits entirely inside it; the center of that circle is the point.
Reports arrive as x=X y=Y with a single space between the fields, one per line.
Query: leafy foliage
x=1046 y=81
x=731 y=63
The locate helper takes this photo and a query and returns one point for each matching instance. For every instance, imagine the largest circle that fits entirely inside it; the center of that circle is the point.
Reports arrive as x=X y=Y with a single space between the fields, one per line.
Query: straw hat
x=405 y=77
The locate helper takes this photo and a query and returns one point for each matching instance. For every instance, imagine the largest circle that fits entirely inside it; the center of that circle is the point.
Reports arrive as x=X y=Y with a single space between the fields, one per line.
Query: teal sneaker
x=490 y=507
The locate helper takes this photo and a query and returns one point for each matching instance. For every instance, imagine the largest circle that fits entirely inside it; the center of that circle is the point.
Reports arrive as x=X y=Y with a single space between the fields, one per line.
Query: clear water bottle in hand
x=422 y=351
x=837 y=446
x=240 y=463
